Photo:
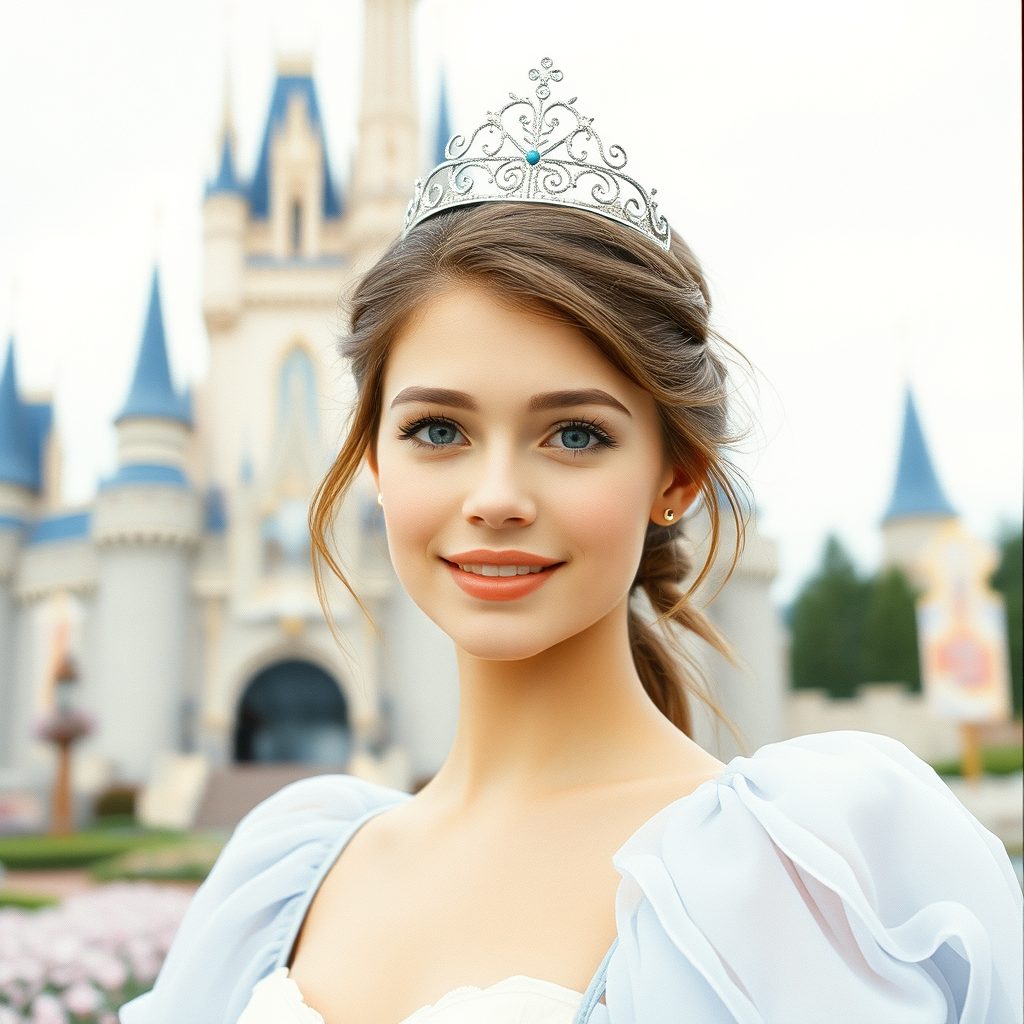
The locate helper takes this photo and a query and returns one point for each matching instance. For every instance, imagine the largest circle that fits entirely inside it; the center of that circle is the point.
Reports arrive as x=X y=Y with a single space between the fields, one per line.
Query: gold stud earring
x=669 y=515
x=380 y=499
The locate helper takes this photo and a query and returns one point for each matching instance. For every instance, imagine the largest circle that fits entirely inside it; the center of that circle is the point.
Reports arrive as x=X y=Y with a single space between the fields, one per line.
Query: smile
x=499 y=575
x=501 y=570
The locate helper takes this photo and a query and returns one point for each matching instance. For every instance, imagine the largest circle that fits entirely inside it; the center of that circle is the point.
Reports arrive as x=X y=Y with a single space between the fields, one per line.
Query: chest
x=405 y=917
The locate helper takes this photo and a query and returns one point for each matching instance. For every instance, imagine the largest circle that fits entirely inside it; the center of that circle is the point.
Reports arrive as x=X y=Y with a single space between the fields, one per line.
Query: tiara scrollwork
x=524 y=153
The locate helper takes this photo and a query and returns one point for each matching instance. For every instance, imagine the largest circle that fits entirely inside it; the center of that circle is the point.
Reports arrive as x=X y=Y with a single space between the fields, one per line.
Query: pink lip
x=481 y=556
x=499 y=588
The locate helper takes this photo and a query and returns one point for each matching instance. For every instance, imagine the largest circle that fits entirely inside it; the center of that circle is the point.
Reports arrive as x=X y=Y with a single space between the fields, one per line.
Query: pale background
x=849 y=173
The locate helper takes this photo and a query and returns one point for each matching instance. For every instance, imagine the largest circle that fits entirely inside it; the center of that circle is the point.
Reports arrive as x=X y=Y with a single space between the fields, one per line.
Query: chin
x=498 y=645
x=504 y=637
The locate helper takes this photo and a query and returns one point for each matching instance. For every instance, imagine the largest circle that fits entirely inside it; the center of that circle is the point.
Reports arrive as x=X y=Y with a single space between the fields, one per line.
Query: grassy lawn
x=28 y=853
x=187 y=859
x=26 y=900
x=994 y=761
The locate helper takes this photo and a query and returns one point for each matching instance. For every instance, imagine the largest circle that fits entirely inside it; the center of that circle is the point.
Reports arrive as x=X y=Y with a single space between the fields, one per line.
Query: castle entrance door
x=293 y=711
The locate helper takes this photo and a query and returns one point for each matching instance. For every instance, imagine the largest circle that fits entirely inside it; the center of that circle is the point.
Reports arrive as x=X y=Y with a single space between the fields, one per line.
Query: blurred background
x=186 y=191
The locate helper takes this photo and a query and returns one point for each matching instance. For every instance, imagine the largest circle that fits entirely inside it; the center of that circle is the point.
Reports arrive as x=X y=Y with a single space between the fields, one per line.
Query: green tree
x=828 y=625
x=1008 y=579
x=889 y=642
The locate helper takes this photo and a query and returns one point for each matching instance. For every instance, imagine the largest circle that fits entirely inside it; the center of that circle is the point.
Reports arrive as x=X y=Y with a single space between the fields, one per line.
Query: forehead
x=468 y=338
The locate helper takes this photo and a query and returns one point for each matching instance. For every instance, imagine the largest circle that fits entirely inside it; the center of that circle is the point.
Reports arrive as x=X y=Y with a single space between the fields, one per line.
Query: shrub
x=27 y=900
x=116 y=802
x=35 y=853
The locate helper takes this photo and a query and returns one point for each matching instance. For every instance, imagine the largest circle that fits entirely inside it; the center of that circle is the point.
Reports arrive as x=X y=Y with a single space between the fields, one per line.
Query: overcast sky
x=848 y=172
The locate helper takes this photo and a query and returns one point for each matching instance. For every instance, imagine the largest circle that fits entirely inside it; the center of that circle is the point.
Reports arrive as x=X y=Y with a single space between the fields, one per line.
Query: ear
x=371 y=461
x=676 y=492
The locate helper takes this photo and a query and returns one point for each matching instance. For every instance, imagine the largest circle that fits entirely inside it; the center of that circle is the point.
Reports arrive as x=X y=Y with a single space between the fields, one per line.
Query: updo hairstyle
x=644 y=308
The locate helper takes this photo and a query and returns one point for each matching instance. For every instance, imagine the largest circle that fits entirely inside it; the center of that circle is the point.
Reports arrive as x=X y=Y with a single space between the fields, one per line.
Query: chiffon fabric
x=826 y=878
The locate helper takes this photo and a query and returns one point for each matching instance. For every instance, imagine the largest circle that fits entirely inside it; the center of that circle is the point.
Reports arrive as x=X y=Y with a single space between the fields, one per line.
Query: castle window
x=285 y=535
x=298 y=387
x=297 y=228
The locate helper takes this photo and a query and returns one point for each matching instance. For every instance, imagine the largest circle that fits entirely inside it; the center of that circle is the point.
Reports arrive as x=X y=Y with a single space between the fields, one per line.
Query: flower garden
x=77 y=962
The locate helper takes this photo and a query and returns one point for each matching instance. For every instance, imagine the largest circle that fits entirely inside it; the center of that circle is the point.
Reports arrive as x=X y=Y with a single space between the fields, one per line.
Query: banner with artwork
x=961 y=625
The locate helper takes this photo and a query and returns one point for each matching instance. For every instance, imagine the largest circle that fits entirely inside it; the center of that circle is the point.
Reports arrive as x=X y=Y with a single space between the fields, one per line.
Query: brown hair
x=645 y=309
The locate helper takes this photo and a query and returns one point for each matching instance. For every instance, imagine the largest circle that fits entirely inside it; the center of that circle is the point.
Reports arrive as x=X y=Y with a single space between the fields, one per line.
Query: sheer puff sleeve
x=828 y=878
x=244 y=918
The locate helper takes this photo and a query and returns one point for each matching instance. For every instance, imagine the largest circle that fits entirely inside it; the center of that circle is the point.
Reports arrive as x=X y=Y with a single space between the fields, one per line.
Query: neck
x=573 y=715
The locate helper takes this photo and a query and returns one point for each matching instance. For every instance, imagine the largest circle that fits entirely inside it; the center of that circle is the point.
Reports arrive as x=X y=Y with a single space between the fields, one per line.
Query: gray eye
x=575 y=437
x=441 y=433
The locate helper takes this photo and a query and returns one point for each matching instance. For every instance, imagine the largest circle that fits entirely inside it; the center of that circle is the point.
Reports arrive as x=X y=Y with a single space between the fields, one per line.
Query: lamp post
x=65 y=724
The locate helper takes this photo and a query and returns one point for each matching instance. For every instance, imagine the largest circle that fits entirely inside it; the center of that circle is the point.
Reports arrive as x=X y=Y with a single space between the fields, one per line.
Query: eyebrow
x=564 y=399
x=436 y=396
x=539 y=403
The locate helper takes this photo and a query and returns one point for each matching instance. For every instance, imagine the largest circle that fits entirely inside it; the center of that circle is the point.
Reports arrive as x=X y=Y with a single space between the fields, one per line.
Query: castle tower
x=276 y=261
x=918 y=506
x=273 y=266
x=224 y=216
x=146 y=526
x=752 y=691
x=387 y=161
x=24 y=430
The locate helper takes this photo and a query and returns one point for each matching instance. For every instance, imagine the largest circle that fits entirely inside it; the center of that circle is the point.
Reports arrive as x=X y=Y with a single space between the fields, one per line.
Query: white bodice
x=519 y=1000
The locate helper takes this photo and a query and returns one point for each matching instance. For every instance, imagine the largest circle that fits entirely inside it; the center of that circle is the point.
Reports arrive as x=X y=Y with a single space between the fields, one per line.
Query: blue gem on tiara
x=498 y=162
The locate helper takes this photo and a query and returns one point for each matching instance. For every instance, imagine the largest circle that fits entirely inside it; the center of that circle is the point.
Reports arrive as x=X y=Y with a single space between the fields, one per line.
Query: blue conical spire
x=288 y=85
x=227 y=179
x=23 y=430
x=152 y=393
x=15 y=461
x=917 y=490
x=444 y=124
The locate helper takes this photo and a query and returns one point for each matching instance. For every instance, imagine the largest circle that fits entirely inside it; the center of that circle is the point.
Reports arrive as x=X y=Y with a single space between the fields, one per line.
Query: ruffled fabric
x=828 y=878
x=277 y=1000
x=517 y=1000
x=244 y=919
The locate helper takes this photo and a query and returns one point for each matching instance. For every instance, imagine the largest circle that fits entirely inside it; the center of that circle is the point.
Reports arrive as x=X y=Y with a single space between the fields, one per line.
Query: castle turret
x=918 y=506
x=292 y=188
x=751 y=690
x=388 y=156
x=24 y=429
x=224 y=216
x=146 y=527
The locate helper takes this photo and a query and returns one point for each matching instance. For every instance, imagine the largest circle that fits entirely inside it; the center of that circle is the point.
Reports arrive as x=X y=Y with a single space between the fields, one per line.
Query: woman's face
x=519 y=470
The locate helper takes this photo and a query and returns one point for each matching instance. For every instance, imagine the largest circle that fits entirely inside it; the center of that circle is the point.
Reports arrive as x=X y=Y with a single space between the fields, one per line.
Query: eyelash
x=409 y=431
x=595 y=427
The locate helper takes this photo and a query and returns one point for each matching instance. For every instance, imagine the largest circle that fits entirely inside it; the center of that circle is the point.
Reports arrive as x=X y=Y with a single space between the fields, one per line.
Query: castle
x=185 y=586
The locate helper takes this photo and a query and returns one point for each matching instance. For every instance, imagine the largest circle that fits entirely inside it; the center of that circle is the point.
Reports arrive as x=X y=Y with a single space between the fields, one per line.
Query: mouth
x=499 y=575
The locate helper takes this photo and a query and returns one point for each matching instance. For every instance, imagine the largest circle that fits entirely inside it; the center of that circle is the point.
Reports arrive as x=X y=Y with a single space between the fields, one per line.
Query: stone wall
x=886 y=708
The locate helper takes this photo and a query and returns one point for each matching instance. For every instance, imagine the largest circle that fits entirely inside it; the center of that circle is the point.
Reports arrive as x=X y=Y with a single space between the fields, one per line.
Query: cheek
x=607 y=521
x=417 y=505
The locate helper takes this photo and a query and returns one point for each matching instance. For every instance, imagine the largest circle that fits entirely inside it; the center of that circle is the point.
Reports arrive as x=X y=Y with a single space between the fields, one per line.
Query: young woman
x=540 y=400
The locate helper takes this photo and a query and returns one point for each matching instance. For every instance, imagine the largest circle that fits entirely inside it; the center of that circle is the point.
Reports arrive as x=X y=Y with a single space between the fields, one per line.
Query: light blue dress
x=827 y=878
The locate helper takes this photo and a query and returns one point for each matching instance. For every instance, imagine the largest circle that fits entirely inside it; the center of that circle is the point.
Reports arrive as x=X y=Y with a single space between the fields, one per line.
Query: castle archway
x=293 y=711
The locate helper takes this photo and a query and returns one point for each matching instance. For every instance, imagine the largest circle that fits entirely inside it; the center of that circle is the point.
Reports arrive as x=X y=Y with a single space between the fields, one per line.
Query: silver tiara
x=531 y=158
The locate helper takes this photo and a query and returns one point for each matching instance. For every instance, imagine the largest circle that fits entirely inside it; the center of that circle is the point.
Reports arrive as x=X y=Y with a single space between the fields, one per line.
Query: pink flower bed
x=77 y=963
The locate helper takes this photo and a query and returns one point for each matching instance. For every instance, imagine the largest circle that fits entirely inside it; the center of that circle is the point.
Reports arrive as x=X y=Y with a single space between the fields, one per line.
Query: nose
x=497 y=498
